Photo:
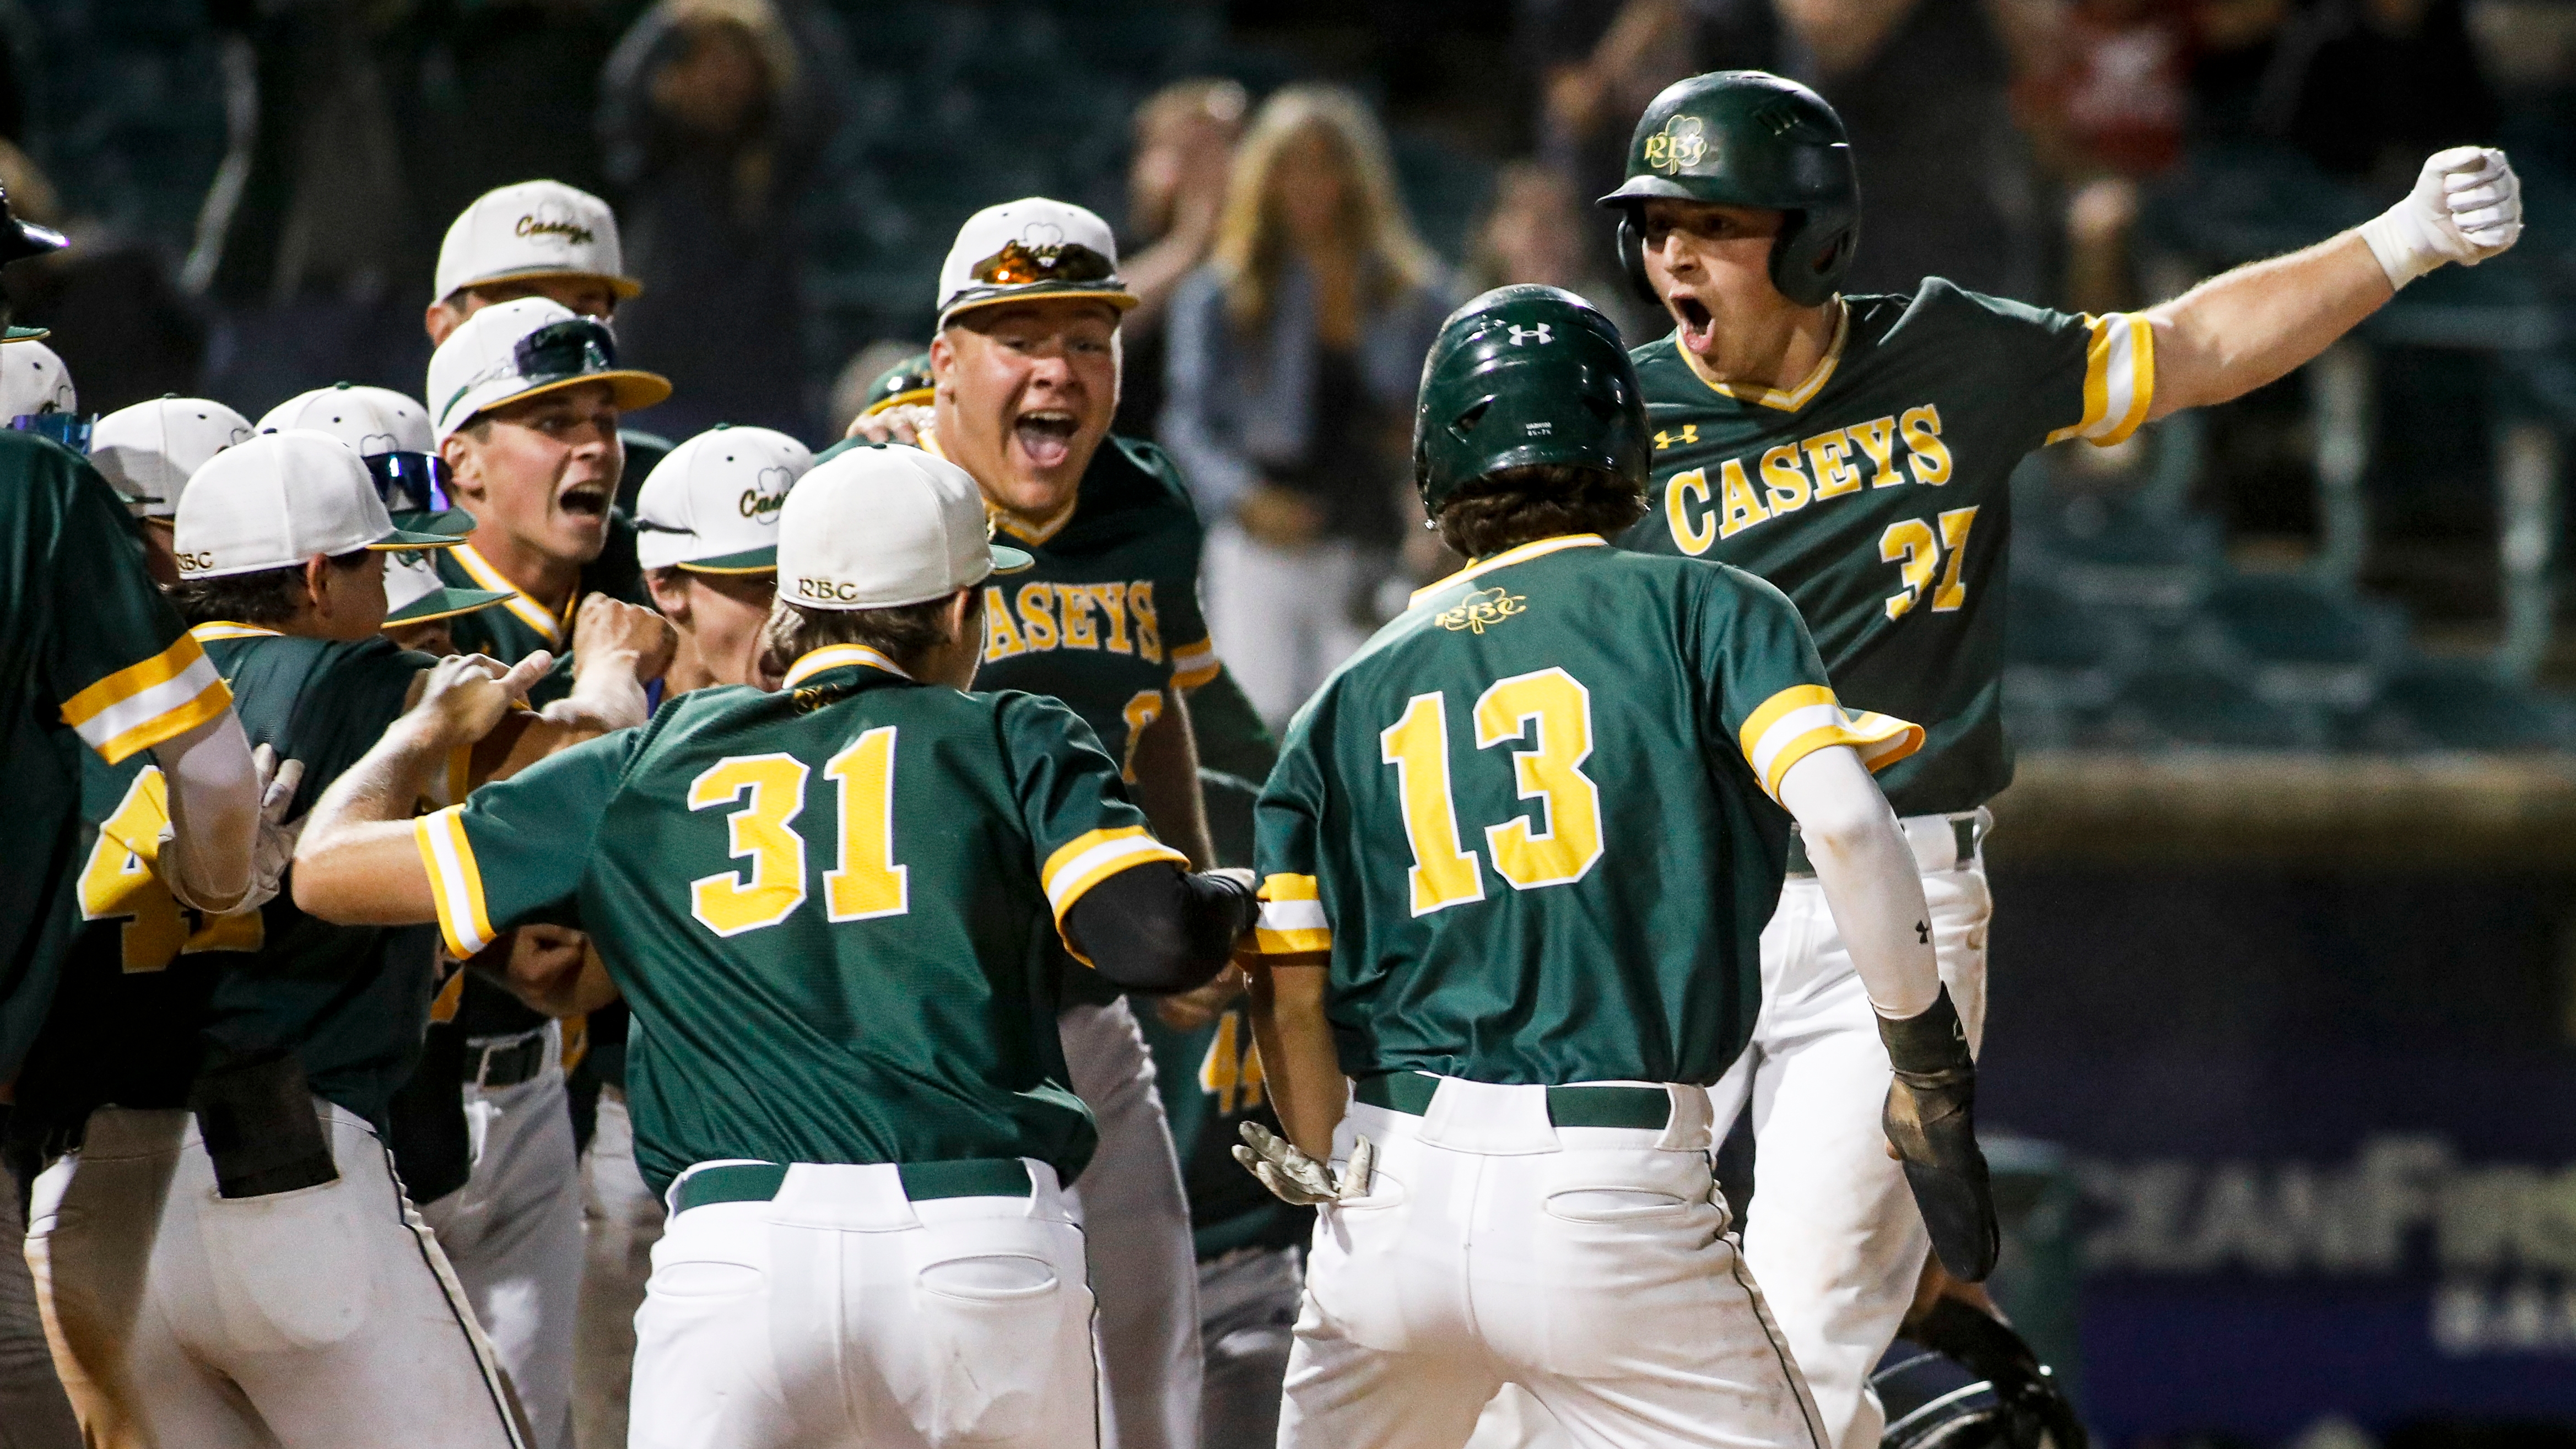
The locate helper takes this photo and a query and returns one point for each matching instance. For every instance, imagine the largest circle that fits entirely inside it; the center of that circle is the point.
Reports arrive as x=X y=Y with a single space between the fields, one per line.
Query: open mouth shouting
x=1045 y=436
x=587 y=499
x=1697 y=325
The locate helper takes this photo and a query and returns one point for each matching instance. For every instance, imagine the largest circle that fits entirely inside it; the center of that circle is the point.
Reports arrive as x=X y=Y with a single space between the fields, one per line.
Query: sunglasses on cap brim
x=411 y=482
x=574 y=347
x=72 y=430
x=1016 y=265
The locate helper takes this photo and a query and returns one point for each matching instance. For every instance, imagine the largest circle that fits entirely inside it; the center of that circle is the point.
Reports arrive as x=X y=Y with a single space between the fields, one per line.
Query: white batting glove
x=271 y=852
x=2465 y=208
x=1299 y=1180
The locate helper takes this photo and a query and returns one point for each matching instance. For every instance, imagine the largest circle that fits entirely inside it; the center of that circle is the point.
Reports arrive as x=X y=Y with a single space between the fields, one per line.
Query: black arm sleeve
x=1158 y=929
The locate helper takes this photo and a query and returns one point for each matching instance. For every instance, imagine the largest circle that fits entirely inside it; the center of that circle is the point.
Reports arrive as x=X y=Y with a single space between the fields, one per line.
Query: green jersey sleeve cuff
x=2119 y=380
x=144 y=704
x=1092 y=857
x=455 y=881
x=1194 y=664
x=1292 y=918
x=1805 y=718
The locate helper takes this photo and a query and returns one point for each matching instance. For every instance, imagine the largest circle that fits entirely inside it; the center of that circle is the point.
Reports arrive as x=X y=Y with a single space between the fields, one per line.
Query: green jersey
x=91 y=656
x=833 y=910
x=153 y=991
x=1533 y=820
x=1875 y=495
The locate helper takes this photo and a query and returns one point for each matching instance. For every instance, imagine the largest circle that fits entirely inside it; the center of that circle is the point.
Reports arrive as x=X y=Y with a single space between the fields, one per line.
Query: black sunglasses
x=570 y=348
x=1018 y=266
x=411 y=482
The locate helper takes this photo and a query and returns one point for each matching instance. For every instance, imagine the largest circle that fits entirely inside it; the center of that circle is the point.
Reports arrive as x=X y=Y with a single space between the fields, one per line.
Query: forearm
x=607 y=694
x=2254 y=325
x=214 y=809
x=1300 y=1067
x=1167 y=782
x=1155 y=928
x=1869 y=876
x=357 y=863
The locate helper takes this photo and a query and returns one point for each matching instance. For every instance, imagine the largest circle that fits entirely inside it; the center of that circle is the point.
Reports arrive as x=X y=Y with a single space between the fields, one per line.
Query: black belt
x=1646 y=1108
x=922 y=1181
x=506 y=1061
x=1963 y=833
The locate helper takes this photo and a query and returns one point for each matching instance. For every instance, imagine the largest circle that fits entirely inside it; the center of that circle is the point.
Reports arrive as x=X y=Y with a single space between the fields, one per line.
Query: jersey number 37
x=1549 y=713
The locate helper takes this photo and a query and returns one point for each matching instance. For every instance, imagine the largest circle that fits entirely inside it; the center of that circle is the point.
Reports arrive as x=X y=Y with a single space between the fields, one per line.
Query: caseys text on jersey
x=1037 y=617
x=1705 y=504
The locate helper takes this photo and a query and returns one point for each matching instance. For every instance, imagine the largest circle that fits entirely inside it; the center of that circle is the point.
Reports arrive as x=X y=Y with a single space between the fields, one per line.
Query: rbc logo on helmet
x=1538 y=334
x=1680 y=145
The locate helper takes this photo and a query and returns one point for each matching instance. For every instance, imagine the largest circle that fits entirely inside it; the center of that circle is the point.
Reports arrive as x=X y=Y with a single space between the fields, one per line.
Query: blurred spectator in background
x=2365 y=88
x=1294 y=356
x=1539 y=229
x=2105 y=112
x=509 y=89
x=120 y=322
x=715 y=114
x=1922 y=89
x=1185 y=135
x=1596 y=65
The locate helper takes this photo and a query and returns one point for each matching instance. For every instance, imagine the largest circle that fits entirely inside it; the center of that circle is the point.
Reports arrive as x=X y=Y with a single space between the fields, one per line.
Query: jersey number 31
x=1552 y=711
x=865 y=885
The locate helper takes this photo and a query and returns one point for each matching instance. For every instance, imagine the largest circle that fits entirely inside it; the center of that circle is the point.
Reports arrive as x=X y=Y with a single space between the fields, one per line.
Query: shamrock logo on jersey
x=1483 y=609
x=1679 y=146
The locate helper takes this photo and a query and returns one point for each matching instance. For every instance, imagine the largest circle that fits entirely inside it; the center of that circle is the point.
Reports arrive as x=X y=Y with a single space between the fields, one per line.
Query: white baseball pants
x=321 y=1318
x=621 y=1221
x=1833 y=1234
x=841 y=1314
x=1282 y=618
x=1136 y=1225
x=1589 y=1265
x=514 y=1233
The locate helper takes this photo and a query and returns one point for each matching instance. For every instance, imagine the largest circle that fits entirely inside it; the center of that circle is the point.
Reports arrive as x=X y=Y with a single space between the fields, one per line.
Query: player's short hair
x=1513 y=506
x=265 y=597
x=903 y=633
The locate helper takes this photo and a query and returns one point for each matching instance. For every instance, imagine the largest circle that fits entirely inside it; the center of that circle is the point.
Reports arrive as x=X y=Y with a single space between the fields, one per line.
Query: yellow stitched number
x=1559 y=708
x=1916 y=550
x=760 y=832
x=868 y=883
x=1954 y=537
x=118 y=880
x=1142 y=710
x=1417 y=744
x=1231 y=1072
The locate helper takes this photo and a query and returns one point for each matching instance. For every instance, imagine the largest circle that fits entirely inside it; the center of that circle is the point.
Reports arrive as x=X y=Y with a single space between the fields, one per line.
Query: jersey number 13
x=1551 y=711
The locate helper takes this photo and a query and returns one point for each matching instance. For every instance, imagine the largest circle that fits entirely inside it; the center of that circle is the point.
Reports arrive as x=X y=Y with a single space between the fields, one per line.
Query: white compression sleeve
x=214 y=809
x=1870 y=879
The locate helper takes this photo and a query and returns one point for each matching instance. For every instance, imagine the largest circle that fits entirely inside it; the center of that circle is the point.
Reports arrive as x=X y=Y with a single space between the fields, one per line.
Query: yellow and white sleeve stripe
x=1092 y=857
x=2119 y=380
x=1194 y=664
x=143 y=704
x=455 y=881
x=1292 y=918
x=1805 y=718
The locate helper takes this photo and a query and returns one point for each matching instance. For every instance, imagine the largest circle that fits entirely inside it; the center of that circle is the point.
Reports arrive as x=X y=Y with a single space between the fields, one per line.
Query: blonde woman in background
x=1294 y=355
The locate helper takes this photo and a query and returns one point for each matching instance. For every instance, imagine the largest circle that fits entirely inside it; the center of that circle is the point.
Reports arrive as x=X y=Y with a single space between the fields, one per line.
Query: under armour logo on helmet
x=1538 y=334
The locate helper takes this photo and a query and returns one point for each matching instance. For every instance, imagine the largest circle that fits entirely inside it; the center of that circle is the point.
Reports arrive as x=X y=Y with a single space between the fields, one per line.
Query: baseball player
x=1855 y=451
x=253 y=1271
x=147 y=452
x=531 y=239
x=89 y=649
x=524 y=403
x=1470 y=853
x=1025 y=377
x=829 y=908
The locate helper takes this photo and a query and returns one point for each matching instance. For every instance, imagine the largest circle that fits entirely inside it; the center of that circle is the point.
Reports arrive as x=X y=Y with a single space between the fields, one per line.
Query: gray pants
x=33 y=1412
x=621 y=1221
x=1247 y=1320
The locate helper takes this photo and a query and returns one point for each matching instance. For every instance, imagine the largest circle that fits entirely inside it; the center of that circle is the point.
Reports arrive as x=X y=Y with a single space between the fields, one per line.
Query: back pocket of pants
x=990 y=1340
x=1613 y=1205
x=292 y=1270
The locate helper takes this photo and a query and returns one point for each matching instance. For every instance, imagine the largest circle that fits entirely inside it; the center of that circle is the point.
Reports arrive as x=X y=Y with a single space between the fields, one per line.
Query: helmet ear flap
x=1632 y=257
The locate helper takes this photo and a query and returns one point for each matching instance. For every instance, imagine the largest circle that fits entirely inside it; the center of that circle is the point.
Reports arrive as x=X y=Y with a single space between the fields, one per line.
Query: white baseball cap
x=884 y=525
x=278 y=499
x=33 y=381
x=532 y=229
x=149 y=450
x=516 y=350
x=370 y=419
x=711 y=505
x=1031 y=247
x=415 y=594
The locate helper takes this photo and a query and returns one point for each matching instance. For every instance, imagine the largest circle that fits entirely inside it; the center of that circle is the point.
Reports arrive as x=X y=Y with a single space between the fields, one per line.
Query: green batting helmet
x=1748 y=138
x=908 y=381
x=1520 y=377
